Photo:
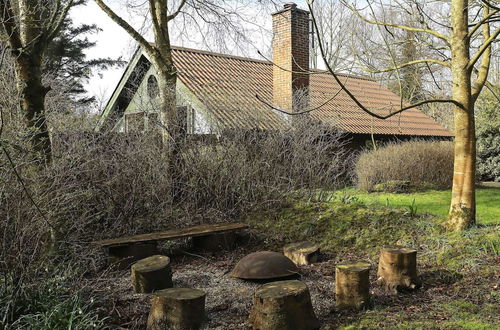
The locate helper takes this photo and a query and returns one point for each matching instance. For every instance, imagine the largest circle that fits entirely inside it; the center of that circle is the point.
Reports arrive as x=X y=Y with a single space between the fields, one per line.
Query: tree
x=29 y=26
x=65 y=60
x=469 y=72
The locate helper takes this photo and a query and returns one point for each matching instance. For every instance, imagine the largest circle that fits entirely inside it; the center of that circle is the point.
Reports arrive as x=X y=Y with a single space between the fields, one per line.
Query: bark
x=32 y=94
x=177 y=308
x=284 y=305
x=397 y=269
x=463 y=204
x=303 y=253
x=151 y=274
x=352 y=285
x=169 y=119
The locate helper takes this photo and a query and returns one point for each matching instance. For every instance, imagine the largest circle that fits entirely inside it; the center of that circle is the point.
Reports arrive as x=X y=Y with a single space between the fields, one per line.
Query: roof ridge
x=207 y=52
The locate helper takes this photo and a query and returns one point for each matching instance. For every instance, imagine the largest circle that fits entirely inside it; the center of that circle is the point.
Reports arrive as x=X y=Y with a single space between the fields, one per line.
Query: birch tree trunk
x=463 y=206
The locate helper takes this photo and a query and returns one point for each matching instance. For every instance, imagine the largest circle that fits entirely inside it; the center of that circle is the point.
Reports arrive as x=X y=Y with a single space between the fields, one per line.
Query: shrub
x=488 y=136
x=488 y=154
x=111 y=185
x=420 y=163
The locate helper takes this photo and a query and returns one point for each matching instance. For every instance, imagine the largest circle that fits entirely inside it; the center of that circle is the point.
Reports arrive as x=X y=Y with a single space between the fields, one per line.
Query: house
x=220 y=92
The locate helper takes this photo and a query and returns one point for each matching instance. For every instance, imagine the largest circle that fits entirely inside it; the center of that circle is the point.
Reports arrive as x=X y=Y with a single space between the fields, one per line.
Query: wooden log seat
x=397 y=269
x=303 y=253
x=176 y=309
x=352 y=285
x=284 y=305
x=127 y=250
x=151 y=274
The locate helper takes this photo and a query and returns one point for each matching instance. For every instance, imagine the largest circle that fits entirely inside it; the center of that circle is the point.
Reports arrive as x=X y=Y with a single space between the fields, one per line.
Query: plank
x=199 y=230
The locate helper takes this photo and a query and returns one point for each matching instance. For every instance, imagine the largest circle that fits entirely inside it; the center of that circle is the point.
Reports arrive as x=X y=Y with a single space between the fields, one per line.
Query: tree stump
x=176 y=309
x=151 y=274
x=122 y=256
x=303 y=253
x=215 y=242
x=352 y=285
x=283 y=305
x=397 y=269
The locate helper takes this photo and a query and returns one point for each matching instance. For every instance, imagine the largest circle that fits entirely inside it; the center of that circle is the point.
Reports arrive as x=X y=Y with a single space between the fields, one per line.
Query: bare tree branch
x=294 y=113
x=482 y=74
x=404 y=27
x=127 y=27
x=177 y=11
x=484 y=47
x=349 y=93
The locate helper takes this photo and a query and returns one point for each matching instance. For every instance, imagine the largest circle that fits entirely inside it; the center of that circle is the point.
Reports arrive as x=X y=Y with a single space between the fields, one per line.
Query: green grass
x=435 y=202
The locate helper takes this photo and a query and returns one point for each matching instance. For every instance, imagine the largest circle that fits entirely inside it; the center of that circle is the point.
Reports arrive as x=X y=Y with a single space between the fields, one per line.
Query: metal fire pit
x=264 y=265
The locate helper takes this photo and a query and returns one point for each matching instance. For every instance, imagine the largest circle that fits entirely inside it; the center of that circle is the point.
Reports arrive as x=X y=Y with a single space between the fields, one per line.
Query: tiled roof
x=228 y=85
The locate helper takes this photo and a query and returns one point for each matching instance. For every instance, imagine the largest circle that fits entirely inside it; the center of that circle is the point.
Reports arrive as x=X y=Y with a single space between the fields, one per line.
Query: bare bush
x=421 y=163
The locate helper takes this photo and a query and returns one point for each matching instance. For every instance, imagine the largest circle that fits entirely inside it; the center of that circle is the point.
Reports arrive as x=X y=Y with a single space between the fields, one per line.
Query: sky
x=114 y=42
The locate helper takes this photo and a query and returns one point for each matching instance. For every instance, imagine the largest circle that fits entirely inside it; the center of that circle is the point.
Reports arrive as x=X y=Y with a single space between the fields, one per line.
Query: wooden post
x=151 y=274
x=352 y=285
x=283 y=305
x=177 y=309
x=123 y=256
x=397 y=268
x=303 y=253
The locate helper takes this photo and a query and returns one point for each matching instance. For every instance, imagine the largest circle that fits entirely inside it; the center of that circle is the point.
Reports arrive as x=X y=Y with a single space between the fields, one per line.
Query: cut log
x=177 y=308
x=215 y=242
x=151 y=274
x=397 y=269
x=283 y=305
x=352 y=285
x=303 y=253
x=122 y=256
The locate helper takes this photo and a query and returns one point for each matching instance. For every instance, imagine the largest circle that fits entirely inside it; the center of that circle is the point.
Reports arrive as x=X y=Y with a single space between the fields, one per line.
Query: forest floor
x=460 y=271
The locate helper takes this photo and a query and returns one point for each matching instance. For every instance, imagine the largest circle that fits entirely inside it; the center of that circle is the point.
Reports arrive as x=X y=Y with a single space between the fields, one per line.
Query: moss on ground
x=459 y=270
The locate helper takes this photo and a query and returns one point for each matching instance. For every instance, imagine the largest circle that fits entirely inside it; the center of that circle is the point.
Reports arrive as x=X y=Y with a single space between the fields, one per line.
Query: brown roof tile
x=227 y=86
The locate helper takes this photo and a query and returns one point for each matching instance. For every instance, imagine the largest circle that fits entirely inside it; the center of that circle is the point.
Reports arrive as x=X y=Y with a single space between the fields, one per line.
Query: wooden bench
x=126 y=250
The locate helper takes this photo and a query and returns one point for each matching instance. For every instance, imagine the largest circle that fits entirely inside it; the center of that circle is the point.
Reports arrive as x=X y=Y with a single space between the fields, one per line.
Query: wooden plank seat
x=126 y=250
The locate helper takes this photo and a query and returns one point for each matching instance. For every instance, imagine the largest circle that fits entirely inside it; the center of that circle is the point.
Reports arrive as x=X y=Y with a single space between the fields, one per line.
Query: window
x=153 y=88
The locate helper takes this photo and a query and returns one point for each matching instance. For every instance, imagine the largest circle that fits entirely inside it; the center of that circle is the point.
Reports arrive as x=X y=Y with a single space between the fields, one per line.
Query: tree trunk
x=169 y=118
x=32 y=102
x=177 y=309
x=352 y=285
x=463 y=205
x=283 y=305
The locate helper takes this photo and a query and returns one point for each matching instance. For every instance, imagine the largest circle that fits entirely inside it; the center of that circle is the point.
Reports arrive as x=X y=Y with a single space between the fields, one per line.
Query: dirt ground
x=229 y=300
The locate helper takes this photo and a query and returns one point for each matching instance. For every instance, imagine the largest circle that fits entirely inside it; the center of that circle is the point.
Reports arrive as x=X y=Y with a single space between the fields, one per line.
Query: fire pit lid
x=264 y=265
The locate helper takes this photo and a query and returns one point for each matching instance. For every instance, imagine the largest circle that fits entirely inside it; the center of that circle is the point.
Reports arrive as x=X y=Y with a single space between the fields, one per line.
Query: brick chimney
x=291 y=52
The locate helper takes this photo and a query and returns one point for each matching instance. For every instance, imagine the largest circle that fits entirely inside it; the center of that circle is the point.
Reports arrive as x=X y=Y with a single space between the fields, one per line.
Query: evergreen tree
x=66 y=62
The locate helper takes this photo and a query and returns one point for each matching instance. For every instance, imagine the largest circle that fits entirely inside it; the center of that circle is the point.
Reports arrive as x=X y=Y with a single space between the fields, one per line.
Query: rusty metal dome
x=264 y=265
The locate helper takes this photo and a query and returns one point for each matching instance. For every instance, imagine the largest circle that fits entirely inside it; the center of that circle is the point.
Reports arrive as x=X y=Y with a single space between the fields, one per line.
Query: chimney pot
x=290 y=5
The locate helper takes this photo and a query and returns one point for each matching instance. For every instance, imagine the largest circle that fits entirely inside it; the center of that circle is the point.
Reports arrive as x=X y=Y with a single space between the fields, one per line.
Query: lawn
x=435 y=202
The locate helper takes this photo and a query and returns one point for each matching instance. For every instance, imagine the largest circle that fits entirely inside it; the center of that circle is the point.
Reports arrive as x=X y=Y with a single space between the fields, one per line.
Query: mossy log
x=352 y=285
x=283 y=305
x=397 y=269
x=176 y=309
x=122 y=256
x=215 y=242
x=151 y=274
x=303 y=253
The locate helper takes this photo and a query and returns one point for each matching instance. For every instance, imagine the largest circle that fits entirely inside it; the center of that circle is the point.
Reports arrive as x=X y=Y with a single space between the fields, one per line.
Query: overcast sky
x=114 y=42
